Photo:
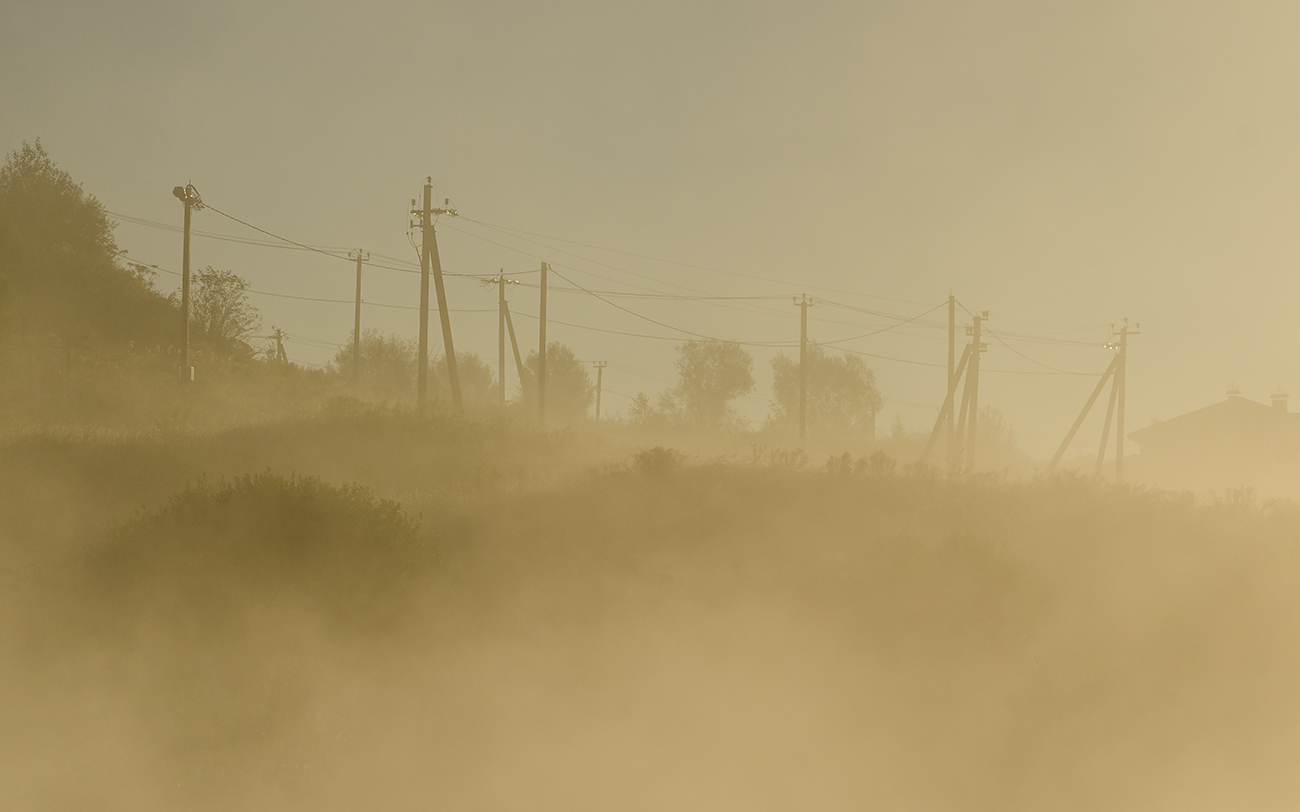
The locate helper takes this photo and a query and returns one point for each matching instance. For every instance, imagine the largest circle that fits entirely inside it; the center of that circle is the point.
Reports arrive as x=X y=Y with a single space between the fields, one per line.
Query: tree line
x=65 y=283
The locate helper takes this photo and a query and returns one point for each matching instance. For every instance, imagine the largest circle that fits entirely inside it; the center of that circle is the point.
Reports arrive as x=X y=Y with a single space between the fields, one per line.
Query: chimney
x=1279 y=400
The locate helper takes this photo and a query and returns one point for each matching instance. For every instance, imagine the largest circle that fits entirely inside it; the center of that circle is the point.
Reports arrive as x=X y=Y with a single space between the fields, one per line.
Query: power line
x=660 y=323
x=515 y=232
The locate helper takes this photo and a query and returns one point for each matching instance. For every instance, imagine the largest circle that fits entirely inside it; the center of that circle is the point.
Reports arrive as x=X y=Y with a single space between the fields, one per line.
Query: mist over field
x=831 y=407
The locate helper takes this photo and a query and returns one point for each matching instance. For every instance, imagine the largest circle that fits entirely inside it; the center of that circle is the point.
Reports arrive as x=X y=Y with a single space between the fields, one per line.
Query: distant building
x=1233 y=443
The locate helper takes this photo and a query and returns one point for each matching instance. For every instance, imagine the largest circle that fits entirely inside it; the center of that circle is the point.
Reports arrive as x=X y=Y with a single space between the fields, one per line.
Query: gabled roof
x=1228 y=416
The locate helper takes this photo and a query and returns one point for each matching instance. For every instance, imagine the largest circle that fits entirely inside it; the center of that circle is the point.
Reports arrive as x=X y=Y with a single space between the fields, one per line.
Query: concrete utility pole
x=541 y=352
x=1121 y=373
x=952 y=354
x=1087 y=407
x=946 y=410
x=600 y=368
x=1105 y=429
x=429 y=258
x=189 y=197
x=501 y=335
x=503 y=320
x=360 y=256
x=514 y=345
x=803 y=303
x=973 y=382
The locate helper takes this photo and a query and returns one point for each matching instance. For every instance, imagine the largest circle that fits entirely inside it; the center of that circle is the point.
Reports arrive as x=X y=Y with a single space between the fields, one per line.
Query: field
x=367 y=608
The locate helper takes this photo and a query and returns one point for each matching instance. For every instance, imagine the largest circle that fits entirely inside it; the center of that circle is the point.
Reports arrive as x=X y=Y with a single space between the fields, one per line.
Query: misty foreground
x=381 y=611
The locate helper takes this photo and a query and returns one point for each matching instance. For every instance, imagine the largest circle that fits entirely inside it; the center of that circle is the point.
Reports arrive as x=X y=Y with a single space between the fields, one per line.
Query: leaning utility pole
x=514 y=345
x=600 y=368
x=803 y=303
x=541 y=352
x=429 y=257
x=1115 y=373
x=189 y=197
x=360 y=256
x=952 y=354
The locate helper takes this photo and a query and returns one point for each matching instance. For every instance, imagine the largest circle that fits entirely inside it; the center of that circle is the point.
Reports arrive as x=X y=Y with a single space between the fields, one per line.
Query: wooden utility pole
x=952 y=370
x=1087 y=407
x=189 y=197
x=429 y=259
x=600 y=368
x=360 y=256
x=803 y=303
x=973 y=383
x=541 y=352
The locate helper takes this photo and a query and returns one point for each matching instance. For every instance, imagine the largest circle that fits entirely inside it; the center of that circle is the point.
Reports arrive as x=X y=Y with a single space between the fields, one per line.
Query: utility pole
x=503 y=320
x=501 y=335
x=189 y=197
x=600 y=368
x=280 y=355
x=360 y=256
x=1121 y=373
x=1116 y=374
x=946 y=410
x=429 y=258
x=541 y=352
x=514 y=345
x=973 y=382
x=803 y=303
x=952 y=354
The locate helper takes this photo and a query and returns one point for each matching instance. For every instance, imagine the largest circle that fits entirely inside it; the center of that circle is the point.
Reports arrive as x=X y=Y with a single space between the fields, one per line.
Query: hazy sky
x=1061 y=165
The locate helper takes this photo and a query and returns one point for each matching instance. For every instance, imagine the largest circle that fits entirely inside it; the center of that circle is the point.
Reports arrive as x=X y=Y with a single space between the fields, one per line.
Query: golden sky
x=1061 y=165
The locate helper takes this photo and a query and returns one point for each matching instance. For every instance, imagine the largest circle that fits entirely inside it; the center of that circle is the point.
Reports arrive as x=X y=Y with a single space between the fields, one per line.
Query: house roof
x=1228 y=416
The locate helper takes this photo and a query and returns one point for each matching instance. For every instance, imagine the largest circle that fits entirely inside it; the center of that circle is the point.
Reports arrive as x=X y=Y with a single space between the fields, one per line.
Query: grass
x=370 y=607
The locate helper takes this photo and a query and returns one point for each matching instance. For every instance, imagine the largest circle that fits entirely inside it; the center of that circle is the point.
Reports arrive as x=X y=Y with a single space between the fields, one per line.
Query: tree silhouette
x=710 y=374
x=569 y=392
x=220 y=308
x=842 y=394
x=60 y=270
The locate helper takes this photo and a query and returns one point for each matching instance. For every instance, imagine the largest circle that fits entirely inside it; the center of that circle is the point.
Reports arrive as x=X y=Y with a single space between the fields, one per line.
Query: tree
x=842 y=394
x=388 y=363
x=220 y=309
x=60 y=268
x=569 y=392
x=477 y=383
x=710 y=374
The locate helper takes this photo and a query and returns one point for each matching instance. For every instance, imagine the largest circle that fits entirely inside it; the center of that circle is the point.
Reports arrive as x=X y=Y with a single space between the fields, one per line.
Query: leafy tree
x=710 y=374
x=842 y=394
x=220 y=309
x=388 y=363
x=59 y=266
x=477 y=383
x=569 y=392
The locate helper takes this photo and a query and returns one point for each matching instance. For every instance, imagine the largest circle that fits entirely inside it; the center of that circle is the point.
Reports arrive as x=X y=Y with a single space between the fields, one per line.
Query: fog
x=850 y=406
